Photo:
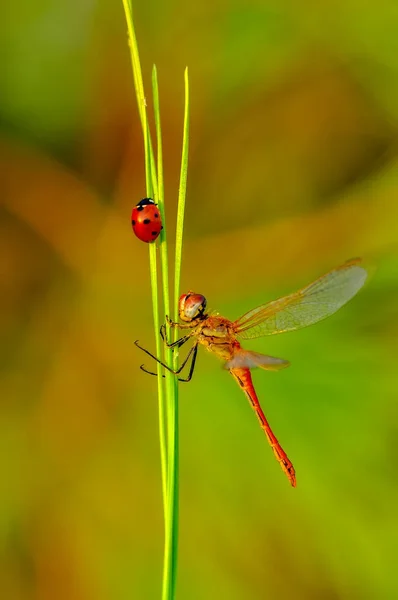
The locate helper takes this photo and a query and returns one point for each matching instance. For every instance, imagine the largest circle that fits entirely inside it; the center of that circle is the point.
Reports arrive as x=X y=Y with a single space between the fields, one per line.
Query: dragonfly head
x=192 y=307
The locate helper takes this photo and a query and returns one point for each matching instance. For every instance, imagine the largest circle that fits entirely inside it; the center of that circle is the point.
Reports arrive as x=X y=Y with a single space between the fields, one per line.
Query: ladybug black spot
x=156 y=215
x=154 y=232
x=140 y=208
x=133 y=222
x=161 y=227
x=147 y=221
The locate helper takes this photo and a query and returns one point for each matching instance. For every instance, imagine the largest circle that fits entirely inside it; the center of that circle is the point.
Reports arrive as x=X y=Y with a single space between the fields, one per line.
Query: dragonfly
x=220 y=336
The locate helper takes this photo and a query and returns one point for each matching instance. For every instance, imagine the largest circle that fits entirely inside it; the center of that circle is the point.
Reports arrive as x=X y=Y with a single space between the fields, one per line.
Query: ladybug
x=146 y=220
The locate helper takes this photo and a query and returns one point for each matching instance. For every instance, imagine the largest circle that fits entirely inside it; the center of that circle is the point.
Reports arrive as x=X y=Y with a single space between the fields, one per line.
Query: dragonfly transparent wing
x=250 y=360
x=313 y=303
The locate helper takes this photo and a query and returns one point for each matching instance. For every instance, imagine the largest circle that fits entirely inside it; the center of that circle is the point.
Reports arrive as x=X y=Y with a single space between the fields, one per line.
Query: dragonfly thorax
x=192 y=307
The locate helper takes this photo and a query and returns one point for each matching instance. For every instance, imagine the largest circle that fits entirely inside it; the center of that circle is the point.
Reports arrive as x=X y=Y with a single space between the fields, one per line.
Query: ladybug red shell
x=146 y=220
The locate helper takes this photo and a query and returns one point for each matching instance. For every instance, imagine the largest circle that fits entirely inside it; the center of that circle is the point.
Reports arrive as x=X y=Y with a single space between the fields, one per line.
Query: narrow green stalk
x=173 y=462
x=171 y=390
x=181 y=197
x=150 y=175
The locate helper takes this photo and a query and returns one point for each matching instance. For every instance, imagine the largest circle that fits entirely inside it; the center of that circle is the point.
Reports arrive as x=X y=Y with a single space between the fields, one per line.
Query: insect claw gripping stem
x=188 y=378
x=192 y=353
x=173 y=345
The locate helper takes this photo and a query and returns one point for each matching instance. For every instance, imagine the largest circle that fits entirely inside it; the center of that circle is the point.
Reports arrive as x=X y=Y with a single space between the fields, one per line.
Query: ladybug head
x=192 y=306
x=145 y=202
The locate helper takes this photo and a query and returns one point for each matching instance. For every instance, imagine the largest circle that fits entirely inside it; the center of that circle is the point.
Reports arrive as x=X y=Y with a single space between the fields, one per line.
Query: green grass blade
x=173 y=443
x=170 y=385
x=169 y=572
x=135 y=60
x=149 y=173
x=156 y=108
x=181 y=198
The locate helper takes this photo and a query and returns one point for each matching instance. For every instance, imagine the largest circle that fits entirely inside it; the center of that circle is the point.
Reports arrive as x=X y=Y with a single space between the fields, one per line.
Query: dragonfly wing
x=313 y=303
x=250 y=360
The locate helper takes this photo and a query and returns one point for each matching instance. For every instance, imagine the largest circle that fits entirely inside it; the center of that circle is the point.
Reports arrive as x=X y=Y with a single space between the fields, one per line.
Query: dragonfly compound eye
x=192 y=306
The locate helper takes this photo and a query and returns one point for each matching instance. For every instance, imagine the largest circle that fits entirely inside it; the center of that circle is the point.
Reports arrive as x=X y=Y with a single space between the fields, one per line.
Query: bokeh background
x=292 y=170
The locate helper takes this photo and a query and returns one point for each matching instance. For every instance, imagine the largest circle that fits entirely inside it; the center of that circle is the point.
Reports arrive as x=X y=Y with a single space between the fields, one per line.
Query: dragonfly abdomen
x=244 y=379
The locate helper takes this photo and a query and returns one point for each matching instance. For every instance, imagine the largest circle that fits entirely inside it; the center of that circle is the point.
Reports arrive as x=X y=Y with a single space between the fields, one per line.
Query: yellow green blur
x=292 y=170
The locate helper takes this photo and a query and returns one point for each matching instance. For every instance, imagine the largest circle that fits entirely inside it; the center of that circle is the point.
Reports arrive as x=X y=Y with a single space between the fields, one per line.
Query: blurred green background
x=292 y=170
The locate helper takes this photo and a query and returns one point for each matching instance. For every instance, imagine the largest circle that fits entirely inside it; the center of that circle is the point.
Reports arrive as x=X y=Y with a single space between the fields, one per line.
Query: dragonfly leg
x=170 y=322
x=177 y=343
x=152 y=355
x=193 y=362
x=179 y=325
x=194 y=351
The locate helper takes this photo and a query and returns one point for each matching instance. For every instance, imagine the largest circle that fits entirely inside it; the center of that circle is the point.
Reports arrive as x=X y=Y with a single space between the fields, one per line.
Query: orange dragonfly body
x=221 y=336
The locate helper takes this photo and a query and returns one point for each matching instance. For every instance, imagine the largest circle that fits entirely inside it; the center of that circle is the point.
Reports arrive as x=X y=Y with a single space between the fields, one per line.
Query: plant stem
x=173 y=499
